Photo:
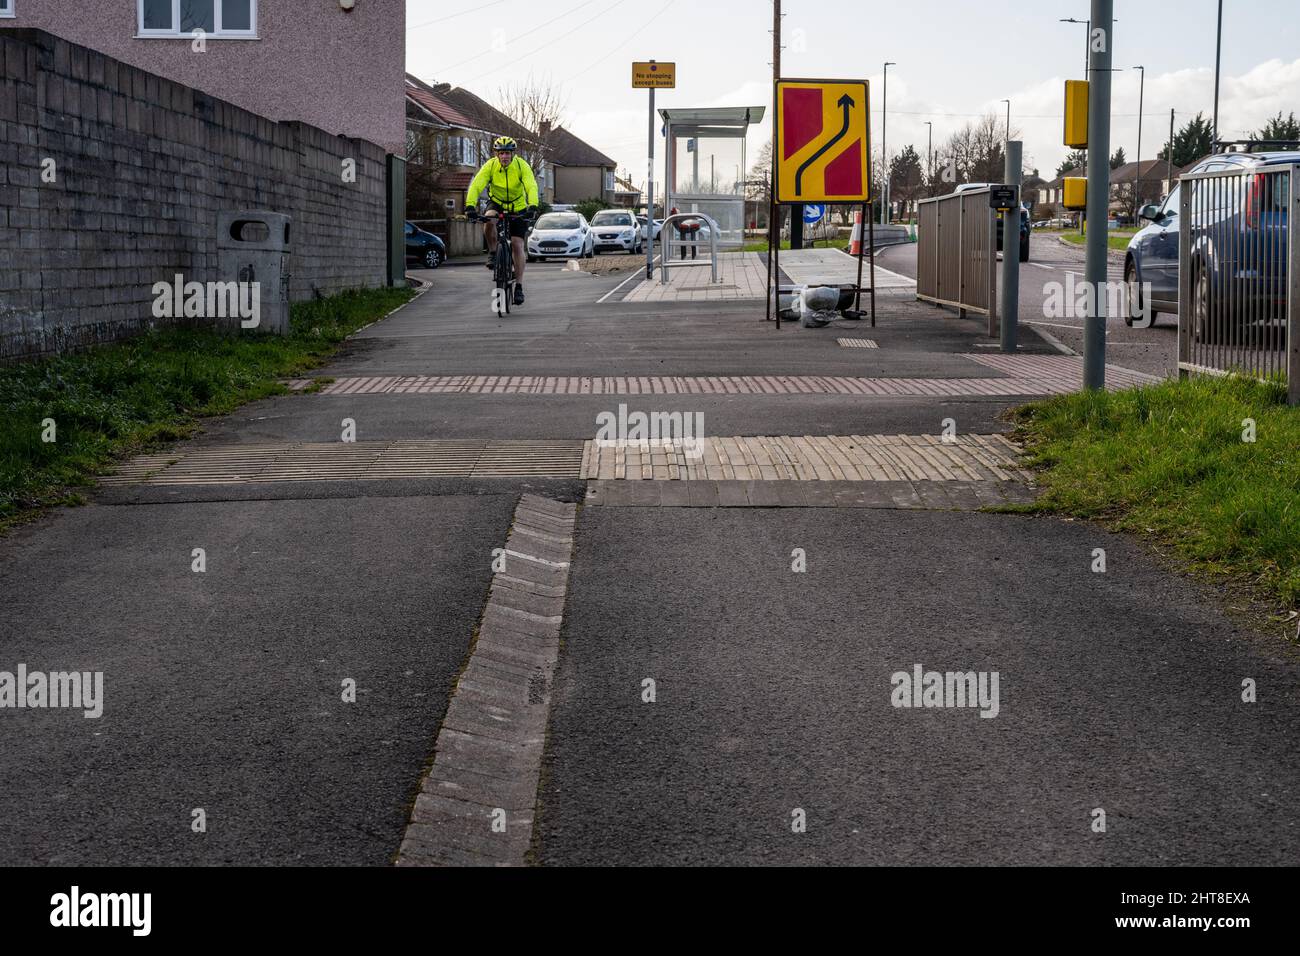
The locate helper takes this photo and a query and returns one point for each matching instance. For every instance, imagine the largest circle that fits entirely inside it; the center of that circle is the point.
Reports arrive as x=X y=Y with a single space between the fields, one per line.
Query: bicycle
x=503 y=261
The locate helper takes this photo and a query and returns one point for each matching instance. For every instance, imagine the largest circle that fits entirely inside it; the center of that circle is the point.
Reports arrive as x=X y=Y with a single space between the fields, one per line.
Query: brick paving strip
x=1022 y=375
x=851 y=458
x=476 y=804
x=962 y=458
x=890 y=495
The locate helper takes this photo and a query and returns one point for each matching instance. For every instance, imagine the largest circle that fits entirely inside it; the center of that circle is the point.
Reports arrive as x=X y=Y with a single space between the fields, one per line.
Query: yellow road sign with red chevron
x=823 y=141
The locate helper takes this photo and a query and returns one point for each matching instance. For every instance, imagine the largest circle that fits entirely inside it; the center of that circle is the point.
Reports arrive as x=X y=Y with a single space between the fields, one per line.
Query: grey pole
x=1137 y=188
x=1010 y=258
x=1094 y=337
x=650 y=194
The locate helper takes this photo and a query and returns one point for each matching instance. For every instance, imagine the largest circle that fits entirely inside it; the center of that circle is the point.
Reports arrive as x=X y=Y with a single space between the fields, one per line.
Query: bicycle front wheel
x=505 y=280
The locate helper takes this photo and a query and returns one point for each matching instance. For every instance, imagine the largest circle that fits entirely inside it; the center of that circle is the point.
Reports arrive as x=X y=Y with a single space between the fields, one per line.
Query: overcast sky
x=956 y=59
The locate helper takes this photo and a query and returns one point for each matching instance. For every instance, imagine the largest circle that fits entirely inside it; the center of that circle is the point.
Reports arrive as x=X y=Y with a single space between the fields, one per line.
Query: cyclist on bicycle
x=511 y=187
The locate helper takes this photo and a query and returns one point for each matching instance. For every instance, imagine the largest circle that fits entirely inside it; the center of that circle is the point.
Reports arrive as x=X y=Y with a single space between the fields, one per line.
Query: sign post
x=652 y=75
x=1006 y=199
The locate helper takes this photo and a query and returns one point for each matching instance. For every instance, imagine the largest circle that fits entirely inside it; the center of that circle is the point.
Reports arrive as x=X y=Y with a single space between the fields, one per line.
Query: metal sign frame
x=868 y=233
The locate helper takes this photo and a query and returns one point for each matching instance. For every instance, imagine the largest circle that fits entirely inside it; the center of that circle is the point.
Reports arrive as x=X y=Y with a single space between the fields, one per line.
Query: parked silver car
x=616 y=229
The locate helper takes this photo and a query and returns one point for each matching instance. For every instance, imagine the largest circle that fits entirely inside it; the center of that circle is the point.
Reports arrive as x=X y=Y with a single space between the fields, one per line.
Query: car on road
x=616 y=229
x=1024 y=220
x=565 y=235
x=1238 y=245
x=645 y=232
x=424 y=248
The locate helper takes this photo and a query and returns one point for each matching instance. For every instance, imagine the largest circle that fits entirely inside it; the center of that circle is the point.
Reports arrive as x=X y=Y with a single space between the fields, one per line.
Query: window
x=6 y=8
x=182 y=18
x=1171 y=206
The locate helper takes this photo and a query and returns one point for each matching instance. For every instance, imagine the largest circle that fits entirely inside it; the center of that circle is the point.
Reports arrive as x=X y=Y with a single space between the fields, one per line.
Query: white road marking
x=602 y=299
x=1053 y=325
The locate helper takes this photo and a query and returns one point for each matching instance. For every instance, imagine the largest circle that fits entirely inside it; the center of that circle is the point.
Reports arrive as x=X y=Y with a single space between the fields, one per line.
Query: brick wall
x=141 y=167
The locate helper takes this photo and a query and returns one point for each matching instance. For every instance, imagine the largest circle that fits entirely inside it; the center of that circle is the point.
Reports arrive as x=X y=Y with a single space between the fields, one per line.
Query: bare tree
x=758 y=188
x=538 y=107
x=426 y=161
x=976 y=153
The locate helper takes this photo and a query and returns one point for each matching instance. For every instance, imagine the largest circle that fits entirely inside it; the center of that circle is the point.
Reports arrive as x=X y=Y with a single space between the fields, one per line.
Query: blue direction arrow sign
x=813 y=213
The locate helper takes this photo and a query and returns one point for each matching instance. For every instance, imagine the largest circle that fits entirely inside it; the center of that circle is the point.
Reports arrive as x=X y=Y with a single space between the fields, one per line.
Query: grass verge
x=761 y=245
x=120 y=399
x=1171 y=460
x=1113 y=240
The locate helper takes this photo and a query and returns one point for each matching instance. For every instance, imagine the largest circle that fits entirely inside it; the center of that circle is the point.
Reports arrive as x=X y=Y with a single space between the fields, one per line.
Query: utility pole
x=1137 y=188
x=1218 y=60
x=773 y=227
x=1008 y=102
x=1094 y=337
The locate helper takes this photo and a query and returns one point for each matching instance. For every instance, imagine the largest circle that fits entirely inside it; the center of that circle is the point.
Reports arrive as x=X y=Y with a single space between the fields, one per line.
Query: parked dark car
x=1239 y=244
x=424 y=247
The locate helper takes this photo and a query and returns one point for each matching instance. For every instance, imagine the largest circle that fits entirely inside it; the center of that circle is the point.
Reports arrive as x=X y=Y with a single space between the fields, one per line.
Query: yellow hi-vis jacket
x=513 y=188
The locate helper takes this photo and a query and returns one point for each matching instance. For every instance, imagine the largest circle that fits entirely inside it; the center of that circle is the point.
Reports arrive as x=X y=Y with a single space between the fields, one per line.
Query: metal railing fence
x=1239 y=274
x=956 y=255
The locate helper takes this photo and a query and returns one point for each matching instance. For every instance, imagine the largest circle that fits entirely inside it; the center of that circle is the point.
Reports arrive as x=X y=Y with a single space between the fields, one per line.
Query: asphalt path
x=1118 y=691
x=1054 y=266
x=223 y=689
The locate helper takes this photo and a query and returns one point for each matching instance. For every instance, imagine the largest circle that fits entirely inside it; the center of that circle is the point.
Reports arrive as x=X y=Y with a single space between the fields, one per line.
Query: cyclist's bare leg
x=518 y=246
x=490 y=234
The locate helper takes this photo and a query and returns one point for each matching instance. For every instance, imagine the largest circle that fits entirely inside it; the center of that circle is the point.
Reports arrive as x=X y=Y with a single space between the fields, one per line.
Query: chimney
x=544 y=128
x=442 y=89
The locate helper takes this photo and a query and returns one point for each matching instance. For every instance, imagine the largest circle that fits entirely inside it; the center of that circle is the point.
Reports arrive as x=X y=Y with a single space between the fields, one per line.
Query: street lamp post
x=1008 y=102
x=1087 y=53
x=929 y=157
x=884 y=143
x=1137 y=189
x=1087 y=74
x=1218 y=60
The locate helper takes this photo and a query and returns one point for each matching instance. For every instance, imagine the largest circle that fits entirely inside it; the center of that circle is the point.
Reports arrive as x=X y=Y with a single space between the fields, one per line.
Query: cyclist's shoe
x=519 y=294
x=491 y=262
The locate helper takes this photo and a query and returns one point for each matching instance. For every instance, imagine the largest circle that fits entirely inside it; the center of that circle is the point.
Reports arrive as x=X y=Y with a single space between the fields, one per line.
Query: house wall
x=576 y=183
x=342 y=72
x=111 y=179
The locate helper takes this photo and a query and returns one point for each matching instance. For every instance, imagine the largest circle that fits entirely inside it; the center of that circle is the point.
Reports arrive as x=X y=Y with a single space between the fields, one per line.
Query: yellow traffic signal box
x=1076 y=114
x=1076 y=193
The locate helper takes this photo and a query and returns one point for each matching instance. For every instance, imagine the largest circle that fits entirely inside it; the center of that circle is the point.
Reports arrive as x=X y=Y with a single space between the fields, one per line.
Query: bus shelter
x=700 y=186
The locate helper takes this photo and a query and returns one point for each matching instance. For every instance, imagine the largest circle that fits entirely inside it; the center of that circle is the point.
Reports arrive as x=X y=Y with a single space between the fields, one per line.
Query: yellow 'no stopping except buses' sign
x=654 y=76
